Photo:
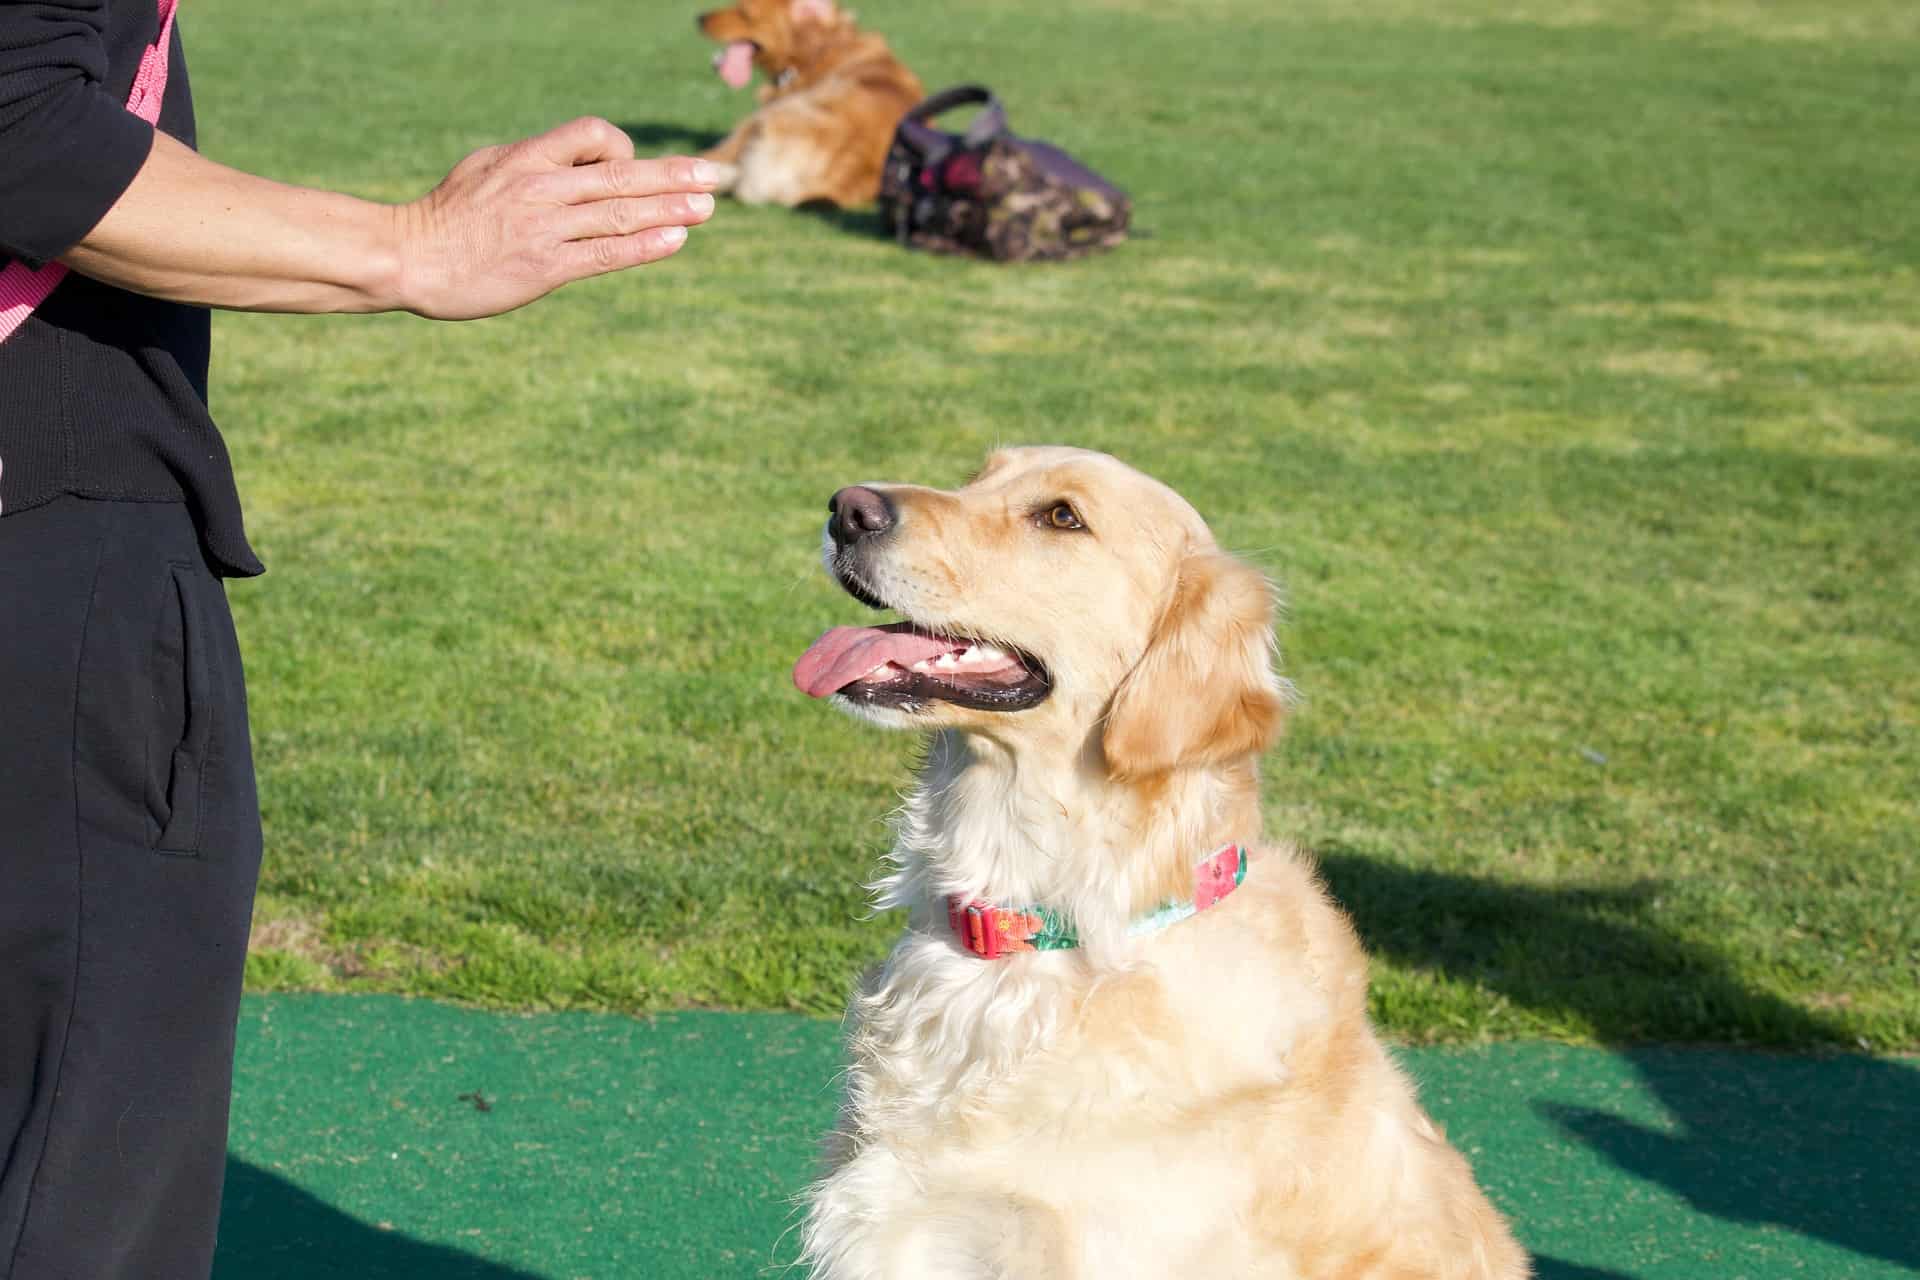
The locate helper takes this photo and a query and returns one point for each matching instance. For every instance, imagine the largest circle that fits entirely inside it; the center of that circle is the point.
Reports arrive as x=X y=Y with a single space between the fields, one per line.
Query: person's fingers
x=588 y=140
x=578 y=259
x=511 y=223
x=617 y=179
x=628 y=217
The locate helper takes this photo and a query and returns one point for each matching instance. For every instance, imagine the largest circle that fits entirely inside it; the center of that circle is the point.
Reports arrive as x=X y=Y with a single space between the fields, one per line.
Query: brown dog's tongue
x=735 y=63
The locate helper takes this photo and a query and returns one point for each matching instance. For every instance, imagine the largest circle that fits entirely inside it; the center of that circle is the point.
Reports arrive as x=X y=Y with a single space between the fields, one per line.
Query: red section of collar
x=991 y=932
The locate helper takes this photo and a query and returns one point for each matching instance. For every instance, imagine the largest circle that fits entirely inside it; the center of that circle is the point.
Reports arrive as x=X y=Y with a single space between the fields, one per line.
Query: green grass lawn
x=1561 y=360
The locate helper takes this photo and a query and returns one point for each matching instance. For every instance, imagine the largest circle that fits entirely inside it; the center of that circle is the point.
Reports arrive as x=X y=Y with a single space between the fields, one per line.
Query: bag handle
x=931 y=143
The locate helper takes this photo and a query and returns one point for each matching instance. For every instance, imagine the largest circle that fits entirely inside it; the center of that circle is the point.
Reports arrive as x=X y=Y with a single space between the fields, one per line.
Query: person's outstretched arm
x=509 y=224
x=85 y=181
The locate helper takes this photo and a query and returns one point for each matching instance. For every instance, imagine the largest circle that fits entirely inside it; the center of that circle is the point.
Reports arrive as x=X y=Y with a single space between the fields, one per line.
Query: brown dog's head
x=769 y=34
x=1060 y=599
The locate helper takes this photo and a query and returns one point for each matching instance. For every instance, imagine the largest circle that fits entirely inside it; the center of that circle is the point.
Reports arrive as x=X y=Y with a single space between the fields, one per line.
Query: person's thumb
x=588 y=140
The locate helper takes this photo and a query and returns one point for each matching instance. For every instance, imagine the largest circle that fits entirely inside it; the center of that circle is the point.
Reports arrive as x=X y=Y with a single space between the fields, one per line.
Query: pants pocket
x=181 y=740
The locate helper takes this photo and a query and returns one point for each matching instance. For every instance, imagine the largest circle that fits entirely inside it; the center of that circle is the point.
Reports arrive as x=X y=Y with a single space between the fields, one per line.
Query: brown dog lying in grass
x=1122 y=1034
x=826 y=117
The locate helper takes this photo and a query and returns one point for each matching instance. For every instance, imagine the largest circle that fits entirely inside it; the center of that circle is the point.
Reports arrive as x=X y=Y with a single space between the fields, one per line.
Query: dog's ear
x=811 y=10
x=1205 y=692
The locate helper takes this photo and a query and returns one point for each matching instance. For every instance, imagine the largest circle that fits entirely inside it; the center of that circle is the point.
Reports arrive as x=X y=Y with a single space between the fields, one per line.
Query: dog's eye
x=1061 y=515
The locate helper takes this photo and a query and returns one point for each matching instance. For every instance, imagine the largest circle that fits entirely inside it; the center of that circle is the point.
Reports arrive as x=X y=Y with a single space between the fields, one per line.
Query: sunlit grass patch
x=1559 y=361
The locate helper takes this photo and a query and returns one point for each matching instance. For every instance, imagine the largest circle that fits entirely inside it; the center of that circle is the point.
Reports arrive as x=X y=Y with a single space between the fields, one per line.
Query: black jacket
x=103 y=393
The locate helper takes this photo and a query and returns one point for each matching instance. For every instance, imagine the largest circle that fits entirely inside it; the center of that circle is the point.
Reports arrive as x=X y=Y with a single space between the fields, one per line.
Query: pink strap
x=23 y=289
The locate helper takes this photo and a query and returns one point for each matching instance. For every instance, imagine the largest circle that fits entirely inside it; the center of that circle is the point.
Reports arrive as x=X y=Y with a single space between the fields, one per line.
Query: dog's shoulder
x=1294 y=913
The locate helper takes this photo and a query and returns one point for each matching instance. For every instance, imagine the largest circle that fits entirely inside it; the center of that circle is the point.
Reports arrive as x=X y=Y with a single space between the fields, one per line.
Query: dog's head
x=769 y=34
x=1061 y=599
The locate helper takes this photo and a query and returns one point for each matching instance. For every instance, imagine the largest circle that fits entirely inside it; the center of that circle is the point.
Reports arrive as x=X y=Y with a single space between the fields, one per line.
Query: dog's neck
x=823 y=49
x=987 y=820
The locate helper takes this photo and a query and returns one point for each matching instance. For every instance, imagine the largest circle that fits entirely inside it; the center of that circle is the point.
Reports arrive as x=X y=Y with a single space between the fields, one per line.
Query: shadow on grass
x=1825 y=1146
x=269 y=1227
x=655 y=137
x=864 y=222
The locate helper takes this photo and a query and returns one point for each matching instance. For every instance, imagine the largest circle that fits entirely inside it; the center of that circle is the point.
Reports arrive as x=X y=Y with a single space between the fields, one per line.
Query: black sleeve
x=68 y=148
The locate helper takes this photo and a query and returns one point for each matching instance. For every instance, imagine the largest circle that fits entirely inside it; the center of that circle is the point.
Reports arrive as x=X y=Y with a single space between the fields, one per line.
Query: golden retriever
x=1187 y=1087
x=828 y=114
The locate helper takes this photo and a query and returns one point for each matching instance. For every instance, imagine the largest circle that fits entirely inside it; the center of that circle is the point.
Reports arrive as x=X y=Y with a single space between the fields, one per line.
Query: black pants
x=129 y=847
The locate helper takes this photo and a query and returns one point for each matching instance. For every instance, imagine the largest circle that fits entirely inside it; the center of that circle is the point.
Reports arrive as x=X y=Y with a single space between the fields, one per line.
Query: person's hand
x=513 y=223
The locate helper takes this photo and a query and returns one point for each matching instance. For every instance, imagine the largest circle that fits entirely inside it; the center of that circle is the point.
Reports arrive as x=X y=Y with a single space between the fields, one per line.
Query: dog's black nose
x=858 y=513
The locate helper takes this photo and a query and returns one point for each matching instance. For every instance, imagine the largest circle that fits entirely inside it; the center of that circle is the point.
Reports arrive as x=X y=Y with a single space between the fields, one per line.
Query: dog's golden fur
x=827 y=113
x=1206 y=1101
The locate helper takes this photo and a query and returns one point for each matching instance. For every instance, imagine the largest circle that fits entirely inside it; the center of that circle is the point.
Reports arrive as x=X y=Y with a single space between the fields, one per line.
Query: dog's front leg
x=727 y=152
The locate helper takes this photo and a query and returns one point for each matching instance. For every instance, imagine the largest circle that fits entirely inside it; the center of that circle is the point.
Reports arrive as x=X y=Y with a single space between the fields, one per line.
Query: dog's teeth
x=878 y=672
x=988 y=652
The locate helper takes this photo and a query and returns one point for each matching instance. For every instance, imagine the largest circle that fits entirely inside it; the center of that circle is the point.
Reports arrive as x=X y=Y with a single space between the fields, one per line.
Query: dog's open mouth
x=735 y=63
x=908 y=667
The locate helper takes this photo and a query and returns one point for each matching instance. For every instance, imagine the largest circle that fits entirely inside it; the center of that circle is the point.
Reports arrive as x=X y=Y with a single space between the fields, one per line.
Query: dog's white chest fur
x=1032 y=1120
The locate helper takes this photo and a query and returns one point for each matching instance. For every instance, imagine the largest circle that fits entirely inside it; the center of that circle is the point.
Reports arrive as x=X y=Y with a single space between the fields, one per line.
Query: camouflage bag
x=990 y=194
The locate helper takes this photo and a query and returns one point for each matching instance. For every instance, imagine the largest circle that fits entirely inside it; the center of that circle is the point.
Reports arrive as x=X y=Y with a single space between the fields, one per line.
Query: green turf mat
x=377 y=1137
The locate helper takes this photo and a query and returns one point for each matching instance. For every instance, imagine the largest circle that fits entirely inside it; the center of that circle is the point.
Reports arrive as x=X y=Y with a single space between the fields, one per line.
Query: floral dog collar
x=991 y=932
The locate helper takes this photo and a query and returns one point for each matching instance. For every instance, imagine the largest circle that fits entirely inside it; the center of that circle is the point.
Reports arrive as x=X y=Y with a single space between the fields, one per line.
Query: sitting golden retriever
x=1120 y=1037
x=827 y=117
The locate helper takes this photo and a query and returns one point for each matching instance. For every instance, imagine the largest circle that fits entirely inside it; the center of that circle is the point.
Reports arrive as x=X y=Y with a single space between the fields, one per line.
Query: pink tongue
x=844 y=654
x=735 y=63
